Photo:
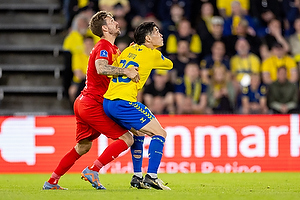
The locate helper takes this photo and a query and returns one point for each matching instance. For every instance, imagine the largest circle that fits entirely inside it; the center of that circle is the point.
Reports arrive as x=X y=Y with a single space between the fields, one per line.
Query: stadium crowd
x=229 y=56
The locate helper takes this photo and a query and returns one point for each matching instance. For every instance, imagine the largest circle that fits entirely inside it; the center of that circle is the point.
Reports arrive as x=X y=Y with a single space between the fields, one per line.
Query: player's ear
x=147 y=38
x=104 y=28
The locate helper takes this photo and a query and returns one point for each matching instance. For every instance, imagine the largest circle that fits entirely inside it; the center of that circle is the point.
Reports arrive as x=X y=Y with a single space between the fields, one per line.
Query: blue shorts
x=128 y=114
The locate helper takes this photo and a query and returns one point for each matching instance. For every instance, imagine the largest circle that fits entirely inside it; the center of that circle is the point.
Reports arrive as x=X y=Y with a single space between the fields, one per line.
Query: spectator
x=225 y=9
x=137 y=20
x=216 y=59
x=233 y=21
x=196 y=9
x=291 y=12
x=190 y=92
x=73 y=42
x=294 y=41
x=215 y=35
x=119 y=8
x=79 y=67
x=278 y=59
x=275 y=35
x=141 y=8
x=204 y=22
x=283 y=95
x=121 y=44
x=74 y=7
x=184 y=32
x=241 y=32
x=264 y=52
x=124 y=36
x=170 y=24
x=159 y=94
x=165 y=9
x=264 y=11
x=180 y=60
x=243 y=64
x=221 y=94
x=254 y=100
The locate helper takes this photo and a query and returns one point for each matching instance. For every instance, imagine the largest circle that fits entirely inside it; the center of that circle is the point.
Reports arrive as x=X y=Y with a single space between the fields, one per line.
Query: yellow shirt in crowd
x=195 y=44
x=79 y=62
x=271 y=64
x=74 y=41
x=241 y=66
x=226 y=4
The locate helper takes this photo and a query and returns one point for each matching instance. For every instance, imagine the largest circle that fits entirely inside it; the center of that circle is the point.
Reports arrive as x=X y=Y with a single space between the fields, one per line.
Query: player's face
x=156 y=38
x=113 y=26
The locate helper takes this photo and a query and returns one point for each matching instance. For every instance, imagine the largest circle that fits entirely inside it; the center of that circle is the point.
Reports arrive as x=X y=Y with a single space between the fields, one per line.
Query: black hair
x=142 y=31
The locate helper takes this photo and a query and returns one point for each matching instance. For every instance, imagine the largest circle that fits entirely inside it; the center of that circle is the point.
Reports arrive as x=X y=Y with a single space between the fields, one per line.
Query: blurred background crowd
x=230 y=56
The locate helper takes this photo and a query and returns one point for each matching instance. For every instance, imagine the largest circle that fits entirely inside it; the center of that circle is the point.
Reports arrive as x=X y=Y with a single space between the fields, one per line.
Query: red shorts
x=91 y=120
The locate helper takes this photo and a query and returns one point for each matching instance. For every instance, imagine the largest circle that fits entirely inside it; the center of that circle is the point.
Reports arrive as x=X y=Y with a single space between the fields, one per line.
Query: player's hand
x=132 y=73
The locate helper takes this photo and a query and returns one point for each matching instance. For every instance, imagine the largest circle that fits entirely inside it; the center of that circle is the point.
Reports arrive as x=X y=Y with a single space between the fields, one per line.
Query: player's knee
x=127 y=138
x=83 y=148
x=161 y=132
x=130 y=141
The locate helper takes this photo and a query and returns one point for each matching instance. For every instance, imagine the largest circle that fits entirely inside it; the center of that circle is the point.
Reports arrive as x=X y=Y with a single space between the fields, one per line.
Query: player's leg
x=83 y=132
x=123 y=139
x=66 y=163
x=137 y=160
x=136 y=115
x=115 y=110
x=154 y=129
x=112 y=151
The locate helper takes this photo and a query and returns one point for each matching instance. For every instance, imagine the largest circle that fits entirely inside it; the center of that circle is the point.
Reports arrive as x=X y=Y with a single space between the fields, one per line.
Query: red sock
x=64 y=165
x=109 y=154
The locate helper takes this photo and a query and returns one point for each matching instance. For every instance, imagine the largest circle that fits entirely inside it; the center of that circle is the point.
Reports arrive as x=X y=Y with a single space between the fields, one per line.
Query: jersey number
x=125 y=65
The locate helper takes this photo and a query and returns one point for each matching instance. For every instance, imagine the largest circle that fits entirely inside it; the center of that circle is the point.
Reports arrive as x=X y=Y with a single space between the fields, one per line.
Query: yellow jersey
x=145 y=59
x=241 y=66
x=271 y=64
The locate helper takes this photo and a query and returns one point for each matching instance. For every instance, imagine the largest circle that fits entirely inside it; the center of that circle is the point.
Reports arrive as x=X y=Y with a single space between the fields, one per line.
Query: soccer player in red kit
x=91 y=120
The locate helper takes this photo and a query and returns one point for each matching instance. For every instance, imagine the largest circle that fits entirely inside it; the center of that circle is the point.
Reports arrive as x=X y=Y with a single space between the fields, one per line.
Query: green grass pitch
x=258 y=186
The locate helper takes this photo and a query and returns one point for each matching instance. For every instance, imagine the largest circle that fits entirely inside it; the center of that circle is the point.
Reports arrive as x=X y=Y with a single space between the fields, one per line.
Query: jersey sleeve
x=103 y=52
x=161 y=62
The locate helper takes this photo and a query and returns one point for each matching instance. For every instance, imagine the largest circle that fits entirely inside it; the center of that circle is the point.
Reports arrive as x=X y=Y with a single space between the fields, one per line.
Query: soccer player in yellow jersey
x=121 y=104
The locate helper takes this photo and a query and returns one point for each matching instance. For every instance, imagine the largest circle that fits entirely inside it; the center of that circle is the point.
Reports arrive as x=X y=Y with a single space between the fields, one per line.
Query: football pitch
x=258 y=186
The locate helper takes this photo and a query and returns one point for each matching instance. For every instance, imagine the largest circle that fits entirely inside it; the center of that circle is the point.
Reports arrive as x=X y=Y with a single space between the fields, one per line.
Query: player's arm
x=162 y=62
x=104 y=68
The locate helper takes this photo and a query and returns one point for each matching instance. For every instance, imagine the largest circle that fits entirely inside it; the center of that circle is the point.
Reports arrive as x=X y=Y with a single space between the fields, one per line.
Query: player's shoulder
x=136 y=49
x=104 y=44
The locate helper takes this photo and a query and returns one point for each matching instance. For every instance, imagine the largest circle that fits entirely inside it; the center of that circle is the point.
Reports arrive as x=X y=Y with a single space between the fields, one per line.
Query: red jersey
x=96 y=85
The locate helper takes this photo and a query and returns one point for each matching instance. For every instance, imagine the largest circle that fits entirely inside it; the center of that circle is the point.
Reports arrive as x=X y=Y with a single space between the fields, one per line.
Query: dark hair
x=97 y=21
x=281 y=67
x=142 y=31
x=276 y=45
